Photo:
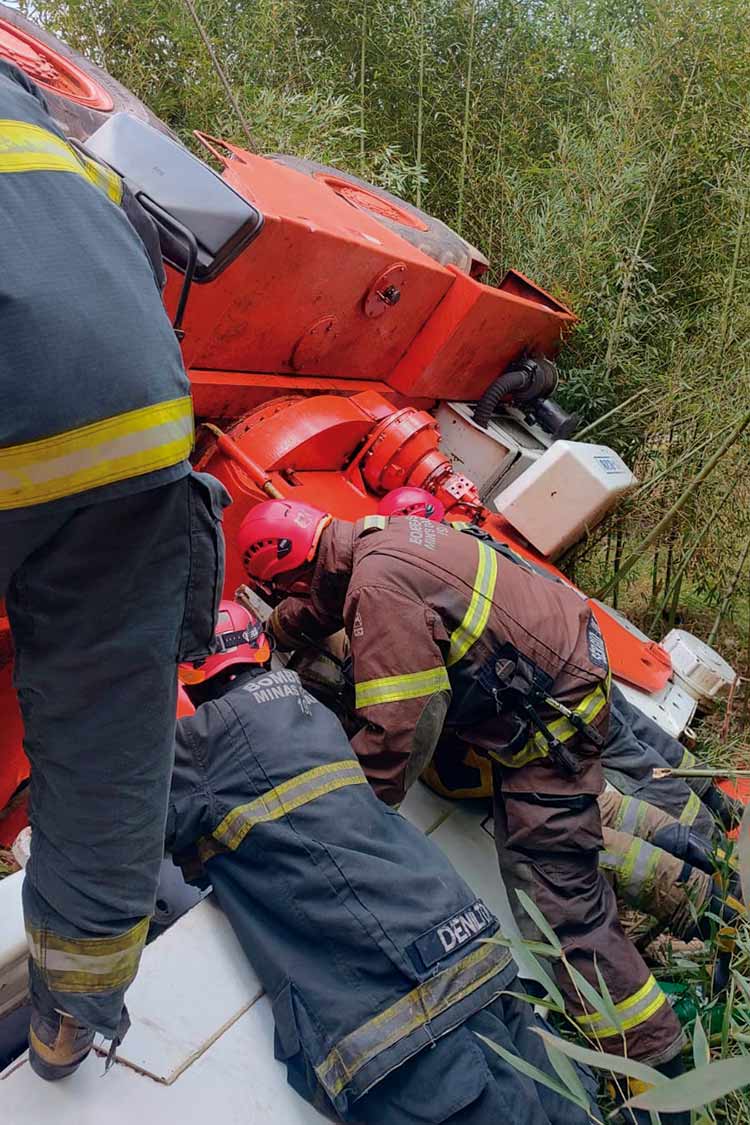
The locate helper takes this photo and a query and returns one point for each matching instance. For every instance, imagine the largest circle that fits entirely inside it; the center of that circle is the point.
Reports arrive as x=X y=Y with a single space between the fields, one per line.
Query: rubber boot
x=58 y=1044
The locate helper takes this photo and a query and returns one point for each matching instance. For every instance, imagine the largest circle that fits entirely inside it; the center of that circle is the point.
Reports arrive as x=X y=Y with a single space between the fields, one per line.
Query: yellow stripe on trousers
x=632 y=1011
x=84 y=965
x=126 y=445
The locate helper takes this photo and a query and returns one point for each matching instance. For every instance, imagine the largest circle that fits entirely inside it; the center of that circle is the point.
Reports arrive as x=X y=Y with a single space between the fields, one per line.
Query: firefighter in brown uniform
x=445 y=632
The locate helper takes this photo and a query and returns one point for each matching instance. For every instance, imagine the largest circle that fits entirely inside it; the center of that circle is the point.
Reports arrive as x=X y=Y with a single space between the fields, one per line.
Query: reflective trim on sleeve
x=127 y=445
x=633 y=1011
x=30 y=148
x=477 y=614
x=392 y=689
x=83 y=965
x=691 y=810
x=635 y=870
x=687 y=761
x=630 y=816
x=413 y=1011
x=374 y=521
x=588 y=709
x=287 y=797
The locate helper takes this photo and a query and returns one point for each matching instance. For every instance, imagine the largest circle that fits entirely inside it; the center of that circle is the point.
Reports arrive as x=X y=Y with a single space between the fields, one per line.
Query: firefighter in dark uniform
x=368 y=943
x=444 y=631
x=109 y=551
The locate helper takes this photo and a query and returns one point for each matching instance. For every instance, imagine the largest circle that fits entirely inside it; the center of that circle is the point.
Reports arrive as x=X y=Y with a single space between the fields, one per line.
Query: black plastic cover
x=154 y=165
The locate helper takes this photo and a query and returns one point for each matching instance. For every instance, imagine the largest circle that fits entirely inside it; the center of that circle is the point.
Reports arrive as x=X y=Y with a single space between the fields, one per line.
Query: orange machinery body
x=292 y=350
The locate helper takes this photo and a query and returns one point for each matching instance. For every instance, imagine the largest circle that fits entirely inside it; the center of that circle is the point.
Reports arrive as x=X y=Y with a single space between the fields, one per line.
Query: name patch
x=451 y=935
x=596 y=645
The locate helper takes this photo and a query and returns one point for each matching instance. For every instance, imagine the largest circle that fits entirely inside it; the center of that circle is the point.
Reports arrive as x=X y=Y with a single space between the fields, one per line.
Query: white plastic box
x=697 y=667
x=564 y=494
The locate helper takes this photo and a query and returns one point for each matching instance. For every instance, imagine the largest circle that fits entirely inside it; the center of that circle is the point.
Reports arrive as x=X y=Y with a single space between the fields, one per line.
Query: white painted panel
x=193 y=982
x=236 y=1081
x=471 y=849
x=13 y=951
x=425 y=809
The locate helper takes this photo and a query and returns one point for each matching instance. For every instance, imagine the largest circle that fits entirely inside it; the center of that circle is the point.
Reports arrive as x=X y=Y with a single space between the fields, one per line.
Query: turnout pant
x=548 y=835
x=462 y=1081
x=102 y=602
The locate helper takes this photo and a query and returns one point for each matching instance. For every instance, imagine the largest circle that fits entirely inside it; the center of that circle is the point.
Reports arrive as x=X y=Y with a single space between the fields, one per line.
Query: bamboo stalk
x=420 y=103
x=362 y=62
x=467 y=113
x=605 y=417
x=222 y=76
x=667 y=520
x=729 y=594
x=651 y=481
x=614 y=336
x=687 y=558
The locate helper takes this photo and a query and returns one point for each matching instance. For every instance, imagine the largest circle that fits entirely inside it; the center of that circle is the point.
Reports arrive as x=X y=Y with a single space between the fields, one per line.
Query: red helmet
x=412 y=502
x=241 y=640
x=279 y=536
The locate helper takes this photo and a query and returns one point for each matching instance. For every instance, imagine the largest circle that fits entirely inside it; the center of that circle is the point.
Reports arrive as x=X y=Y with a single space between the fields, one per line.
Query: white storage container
x=564 y=494
x=698 y=667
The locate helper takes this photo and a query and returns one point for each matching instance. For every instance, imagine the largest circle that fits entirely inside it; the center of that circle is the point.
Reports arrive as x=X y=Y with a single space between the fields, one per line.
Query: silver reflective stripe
x=631 y=815
x=87 y=965
x=632 y=1011
x=413 y=1011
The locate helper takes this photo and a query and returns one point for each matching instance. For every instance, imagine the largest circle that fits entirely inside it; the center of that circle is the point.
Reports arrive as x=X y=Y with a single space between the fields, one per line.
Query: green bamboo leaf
x=534 y=1000
x=534 y=968
x=695 y=1089
x=606 y=996
x=538 y=918
x=701 y=1050
x=618 y=1064
x=512 y=943
x=566 y=1072
x=595 y=1001
x=533 y=1072
x=743 y=984
x=743 y=853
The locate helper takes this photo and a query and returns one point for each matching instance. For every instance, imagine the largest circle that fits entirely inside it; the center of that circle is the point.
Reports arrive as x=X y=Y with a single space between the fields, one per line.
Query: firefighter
x=635 y=745
x=377 y=1018
x=445 y=631
x=108 y=552
x=654 y=863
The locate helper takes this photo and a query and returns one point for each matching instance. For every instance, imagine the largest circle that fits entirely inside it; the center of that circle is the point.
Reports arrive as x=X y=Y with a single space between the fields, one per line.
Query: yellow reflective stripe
x=287 y=797
x=687 y=761
x=127 y=445
x=633 y=1010
x=30 y=148
x=415 y=1010
x=588 y=709
x=374 y=521
x=459 y=525
x=392 y=689
x=691 y=810
x=475 y=619
x=87 y=964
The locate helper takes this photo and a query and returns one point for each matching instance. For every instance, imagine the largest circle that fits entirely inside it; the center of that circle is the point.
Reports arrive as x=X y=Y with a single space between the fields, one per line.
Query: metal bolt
x=390 y=296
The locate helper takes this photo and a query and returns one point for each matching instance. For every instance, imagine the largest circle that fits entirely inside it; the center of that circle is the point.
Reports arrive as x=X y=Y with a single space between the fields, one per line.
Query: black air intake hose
x=513 y=380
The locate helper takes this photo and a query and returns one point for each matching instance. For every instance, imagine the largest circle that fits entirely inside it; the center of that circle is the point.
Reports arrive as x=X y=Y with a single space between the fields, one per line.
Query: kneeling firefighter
x=369 y=944
x=446 y=632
